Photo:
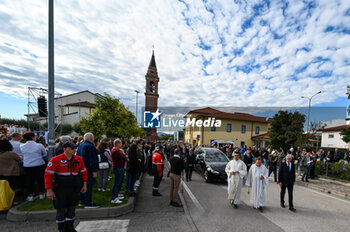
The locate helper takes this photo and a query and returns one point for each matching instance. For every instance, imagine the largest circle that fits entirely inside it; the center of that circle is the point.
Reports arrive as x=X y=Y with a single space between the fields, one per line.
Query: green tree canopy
x=286 y=128
x=346 y=134
x=111 y=118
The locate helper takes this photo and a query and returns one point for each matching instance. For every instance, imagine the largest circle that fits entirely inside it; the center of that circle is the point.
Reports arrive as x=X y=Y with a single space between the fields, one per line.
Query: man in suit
x=307 y=162
x=286 y=179
x=248 y=159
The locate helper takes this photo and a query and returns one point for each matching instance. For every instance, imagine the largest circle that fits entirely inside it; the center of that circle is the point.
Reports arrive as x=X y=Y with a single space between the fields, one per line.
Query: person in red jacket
x=65 y=177
x=157 y=168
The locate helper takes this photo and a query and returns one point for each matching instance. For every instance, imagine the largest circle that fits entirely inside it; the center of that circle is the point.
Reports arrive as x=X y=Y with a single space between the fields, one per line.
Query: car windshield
x=215 y=156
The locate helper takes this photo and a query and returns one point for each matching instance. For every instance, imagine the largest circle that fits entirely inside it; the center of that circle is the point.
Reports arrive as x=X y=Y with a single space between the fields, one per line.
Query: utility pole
x=51 y=82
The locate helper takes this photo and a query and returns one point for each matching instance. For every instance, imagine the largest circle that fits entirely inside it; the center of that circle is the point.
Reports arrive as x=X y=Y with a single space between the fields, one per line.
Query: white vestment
x=258 y=192
x=235 y=181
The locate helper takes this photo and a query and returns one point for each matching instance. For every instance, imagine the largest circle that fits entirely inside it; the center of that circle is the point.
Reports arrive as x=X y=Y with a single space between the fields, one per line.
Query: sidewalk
x=328 y=185
x=155 y=213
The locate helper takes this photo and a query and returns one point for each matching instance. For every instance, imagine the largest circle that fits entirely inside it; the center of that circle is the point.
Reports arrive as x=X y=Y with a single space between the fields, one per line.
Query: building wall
x=72 y=114
x=206 y=135
x=335 y=142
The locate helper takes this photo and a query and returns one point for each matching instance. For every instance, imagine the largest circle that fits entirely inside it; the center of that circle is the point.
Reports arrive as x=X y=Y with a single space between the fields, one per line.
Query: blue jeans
x=118 y=180
x=297 y=166
x=130 y=181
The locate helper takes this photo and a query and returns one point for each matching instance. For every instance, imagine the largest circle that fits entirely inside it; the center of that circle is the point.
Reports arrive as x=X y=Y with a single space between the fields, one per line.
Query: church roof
x=152 y=63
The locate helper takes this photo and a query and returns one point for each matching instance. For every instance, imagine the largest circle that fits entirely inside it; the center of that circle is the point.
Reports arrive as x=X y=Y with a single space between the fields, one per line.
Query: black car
x=212 y=163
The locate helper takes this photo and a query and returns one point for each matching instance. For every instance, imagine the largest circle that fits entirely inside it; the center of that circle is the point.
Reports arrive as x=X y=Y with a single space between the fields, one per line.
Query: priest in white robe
x=257 y=180
x=236 y=170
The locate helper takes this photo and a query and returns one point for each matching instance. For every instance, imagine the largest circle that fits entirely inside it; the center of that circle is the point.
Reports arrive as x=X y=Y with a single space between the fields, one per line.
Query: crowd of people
x=78 y=162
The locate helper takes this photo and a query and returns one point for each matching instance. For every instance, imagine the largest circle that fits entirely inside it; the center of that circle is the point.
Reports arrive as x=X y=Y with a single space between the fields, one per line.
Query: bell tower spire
x=151 y=93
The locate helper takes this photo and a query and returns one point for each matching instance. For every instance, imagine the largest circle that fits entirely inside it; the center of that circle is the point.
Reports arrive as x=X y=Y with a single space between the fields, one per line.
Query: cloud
x=218 y=53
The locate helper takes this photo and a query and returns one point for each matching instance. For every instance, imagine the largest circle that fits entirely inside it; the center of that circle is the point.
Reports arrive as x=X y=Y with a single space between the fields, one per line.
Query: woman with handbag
x=105 y=160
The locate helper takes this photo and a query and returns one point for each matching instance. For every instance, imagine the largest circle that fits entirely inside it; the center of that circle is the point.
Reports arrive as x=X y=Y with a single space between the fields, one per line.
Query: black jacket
x=191 y=159
x=248 y=160
x=284 y=175
x=177 y=165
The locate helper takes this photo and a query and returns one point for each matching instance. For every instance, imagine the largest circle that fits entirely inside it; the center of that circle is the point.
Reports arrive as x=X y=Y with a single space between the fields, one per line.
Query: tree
x=77 y=128
x=111 y=118
x=66 y=128
x=345 y=134
x=286 y=129
x=166 y=137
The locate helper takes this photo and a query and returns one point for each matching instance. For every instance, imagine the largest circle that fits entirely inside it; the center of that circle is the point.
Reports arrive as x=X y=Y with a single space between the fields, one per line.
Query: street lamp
x=137 y=100
x=308 y=117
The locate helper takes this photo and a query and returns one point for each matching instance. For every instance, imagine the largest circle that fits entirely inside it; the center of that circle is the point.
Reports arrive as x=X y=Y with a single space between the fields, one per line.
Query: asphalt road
x=211 y=211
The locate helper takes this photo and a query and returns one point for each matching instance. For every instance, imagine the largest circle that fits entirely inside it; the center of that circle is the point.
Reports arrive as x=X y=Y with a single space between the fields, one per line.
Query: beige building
x=241 y=128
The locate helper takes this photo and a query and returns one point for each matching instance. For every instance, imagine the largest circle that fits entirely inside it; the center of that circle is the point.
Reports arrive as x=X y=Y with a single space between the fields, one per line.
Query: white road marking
x=193 y=198
x=103 y=225
x=324 y=194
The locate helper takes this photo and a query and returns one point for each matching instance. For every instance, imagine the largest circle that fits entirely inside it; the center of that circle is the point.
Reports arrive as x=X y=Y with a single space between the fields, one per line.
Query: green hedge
x=336 y=170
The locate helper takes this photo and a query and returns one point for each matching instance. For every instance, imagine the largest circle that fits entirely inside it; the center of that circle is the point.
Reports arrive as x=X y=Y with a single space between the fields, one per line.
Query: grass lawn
x=102 y=199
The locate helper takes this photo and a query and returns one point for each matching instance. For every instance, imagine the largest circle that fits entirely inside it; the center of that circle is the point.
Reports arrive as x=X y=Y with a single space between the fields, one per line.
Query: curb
x=187 y=213
x=324 y=190
x=49 y=215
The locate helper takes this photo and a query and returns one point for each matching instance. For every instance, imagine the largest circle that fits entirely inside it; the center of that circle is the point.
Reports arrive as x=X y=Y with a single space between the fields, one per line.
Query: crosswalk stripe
x=103 y=225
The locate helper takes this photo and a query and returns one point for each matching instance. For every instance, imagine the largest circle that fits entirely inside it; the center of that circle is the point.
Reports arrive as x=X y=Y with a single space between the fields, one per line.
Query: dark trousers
x=157 y=179
x=130 y=181
x=65 y=218
x=86 y=198
x=189 y=171
x=290 y=193
x=35 y=174
x=121 y=185
x=312 y=172
x=274 y=170
x=64 y=203
x=306 y=173
x=118 y=181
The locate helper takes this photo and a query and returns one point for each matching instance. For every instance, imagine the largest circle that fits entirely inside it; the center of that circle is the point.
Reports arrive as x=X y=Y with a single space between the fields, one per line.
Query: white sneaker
x=42 y=196
x=120 y=195
x=116 y=201
x=106 y=190
x=137 y=183
x=99 y=189
x=30 y=198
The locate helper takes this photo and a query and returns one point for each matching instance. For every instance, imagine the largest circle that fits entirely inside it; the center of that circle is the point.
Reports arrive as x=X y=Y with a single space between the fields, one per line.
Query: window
x=331 y=136
x=257 y=130
x=229 y=127
x=213 y=128
x=243 y=129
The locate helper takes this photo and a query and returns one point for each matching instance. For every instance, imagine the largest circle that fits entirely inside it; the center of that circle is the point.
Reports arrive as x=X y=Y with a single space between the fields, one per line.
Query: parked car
x=211 y=162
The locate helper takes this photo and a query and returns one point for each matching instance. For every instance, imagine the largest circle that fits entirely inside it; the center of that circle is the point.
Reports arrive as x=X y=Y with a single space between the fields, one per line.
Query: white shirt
x=33 y=154
x=16 y=147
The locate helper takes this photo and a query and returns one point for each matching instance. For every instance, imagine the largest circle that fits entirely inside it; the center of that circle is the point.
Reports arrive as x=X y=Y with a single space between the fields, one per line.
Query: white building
x=331 y=137
x=71 y=108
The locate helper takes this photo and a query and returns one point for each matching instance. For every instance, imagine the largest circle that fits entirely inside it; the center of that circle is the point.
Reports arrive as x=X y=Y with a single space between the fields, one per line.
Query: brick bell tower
x=151 y=94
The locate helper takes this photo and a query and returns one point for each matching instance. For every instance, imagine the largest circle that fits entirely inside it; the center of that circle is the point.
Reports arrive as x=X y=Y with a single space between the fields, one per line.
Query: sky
x=208 y=53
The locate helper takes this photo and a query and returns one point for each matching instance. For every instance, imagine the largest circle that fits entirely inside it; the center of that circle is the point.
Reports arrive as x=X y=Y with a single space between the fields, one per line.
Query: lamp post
x=51 y=82
x=137 y=101
x=308 y=115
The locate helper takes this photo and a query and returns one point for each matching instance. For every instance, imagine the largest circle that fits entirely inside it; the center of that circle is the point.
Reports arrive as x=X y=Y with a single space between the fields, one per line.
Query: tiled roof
x=335 y=128
x=210 y=112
